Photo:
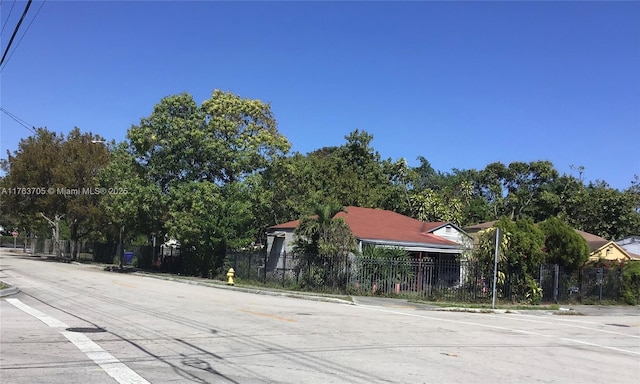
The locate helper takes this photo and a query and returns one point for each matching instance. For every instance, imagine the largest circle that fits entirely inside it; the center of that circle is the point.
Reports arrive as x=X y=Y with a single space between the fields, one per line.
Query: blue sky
x=463 y=84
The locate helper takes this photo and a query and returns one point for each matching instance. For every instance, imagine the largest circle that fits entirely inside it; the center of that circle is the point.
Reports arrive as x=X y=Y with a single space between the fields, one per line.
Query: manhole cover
x=86 y=330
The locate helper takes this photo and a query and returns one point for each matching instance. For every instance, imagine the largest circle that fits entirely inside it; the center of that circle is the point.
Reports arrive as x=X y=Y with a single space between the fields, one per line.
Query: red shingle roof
x=379 y=224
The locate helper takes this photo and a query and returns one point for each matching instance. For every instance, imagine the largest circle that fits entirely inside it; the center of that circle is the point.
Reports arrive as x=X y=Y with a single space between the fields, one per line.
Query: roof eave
x=410 y=245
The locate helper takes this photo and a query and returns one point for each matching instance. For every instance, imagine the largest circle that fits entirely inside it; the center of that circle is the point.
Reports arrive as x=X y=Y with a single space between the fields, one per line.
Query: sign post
x=15 y=237
x=495 y=268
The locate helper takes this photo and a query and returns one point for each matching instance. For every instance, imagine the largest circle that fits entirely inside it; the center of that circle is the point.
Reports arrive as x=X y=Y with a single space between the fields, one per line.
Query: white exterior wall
x=451 y=233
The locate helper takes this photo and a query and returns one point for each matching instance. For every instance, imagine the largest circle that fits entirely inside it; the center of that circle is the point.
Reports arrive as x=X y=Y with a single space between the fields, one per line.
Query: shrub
x=533 y=291
x=630 y=291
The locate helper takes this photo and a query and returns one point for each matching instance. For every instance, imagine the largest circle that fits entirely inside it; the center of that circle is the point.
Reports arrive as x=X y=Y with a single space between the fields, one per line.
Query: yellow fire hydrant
x=230 y=276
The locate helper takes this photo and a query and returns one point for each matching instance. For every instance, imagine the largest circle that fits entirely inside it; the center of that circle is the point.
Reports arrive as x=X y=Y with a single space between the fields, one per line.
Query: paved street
x=77 y=324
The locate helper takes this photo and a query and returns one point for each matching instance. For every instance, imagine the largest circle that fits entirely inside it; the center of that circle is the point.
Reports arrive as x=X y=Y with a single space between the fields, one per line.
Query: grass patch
x=3 y=285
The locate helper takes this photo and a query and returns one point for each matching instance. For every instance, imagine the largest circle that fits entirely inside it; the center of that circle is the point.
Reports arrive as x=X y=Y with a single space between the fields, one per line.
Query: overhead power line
x=15 y=31
x=23 y=35
x=8 y=16
x=19 y=120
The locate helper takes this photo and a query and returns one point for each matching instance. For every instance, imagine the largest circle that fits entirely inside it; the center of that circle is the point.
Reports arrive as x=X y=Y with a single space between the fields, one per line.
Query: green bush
x=630 y=291
x=534 y=292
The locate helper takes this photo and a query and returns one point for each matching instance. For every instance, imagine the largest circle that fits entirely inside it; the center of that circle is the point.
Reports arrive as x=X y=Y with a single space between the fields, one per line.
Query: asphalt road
x=77 y=324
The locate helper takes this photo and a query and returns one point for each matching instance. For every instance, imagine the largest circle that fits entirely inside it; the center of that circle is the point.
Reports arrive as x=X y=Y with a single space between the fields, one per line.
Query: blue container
x=128 y=257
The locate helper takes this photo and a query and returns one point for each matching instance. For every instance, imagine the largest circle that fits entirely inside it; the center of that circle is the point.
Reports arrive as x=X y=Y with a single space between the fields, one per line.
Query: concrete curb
x=474 y=310
x=9 y=291
x=256 y=291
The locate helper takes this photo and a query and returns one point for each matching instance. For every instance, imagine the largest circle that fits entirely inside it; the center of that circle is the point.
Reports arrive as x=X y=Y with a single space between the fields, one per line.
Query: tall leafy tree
x=204 y=158
x=446 y=204
x=62 y=171
x=525 y=183
x=209 y=219
x=34 y=164
x=362 y=181
x=83 y=157
x=352 y=174
x=515 y=190
x=136 y=205
x=563 y=245
x=559 y=198
x=223 y=140
x=491 y=186
x=605 y=211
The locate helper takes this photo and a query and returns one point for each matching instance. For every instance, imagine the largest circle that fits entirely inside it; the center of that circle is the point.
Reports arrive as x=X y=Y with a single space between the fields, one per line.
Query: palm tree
x=325 y=242
x=311 y=228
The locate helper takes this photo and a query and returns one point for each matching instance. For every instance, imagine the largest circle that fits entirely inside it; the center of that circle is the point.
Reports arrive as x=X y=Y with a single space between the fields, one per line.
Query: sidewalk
x=251 y=289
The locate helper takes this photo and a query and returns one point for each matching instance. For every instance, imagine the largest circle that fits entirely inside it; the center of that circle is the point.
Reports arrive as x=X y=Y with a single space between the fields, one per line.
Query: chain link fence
x=585 y=285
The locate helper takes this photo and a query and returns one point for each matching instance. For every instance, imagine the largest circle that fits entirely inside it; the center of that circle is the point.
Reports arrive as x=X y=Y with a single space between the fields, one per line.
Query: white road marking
x=532 y=320
x=112 y=366
x=50 y=321
x=378 y=309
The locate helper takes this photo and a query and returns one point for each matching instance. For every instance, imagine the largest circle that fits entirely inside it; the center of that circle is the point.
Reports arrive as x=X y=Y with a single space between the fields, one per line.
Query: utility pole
x=55 y=226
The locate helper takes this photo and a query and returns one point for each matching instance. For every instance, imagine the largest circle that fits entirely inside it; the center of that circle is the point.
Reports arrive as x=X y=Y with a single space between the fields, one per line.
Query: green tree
x=209 y=220
x=525 y=182
x=361 y=180
x=52 y=164
x=564 y=246
x=315 y=231
x=630 y=277
x=135 y=205
x=209 y=162
x=324 y=242
x=223 y=140
x=515 y=190
x=613 y=213
x=352 y=174
x=491 y=185
x=521 y=254
x=559 y=198
x=447 y=204
x=82 y=159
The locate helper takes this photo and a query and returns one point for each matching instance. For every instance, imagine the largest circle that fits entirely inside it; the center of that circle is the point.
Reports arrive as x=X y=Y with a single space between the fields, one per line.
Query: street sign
x=15 y=233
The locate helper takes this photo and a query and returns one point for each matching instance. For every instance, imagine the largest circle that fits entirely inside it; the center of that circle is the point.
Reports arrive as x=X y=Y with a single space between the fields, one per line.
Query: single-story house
x=610 y=251
x=601 y=248
x=380 y=227
x=436 y=241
